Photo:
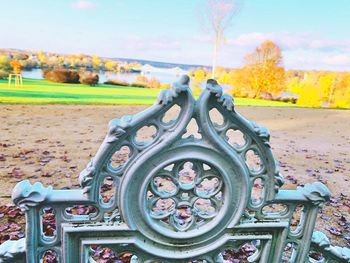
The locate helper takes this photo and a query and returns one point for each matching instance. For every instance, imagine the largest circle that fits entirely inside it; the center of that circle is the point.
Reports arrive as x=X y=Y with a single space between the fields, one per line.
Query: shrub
x=144 y=82
x=345 y=104
x=153 y=83
x=3 y=74
x=89 y=79
x=139 y=85
x=265 y=96
x=141 y=81
x=165 y=86
x=62 y=75
x=117 y=82
x=5 y=63
x=289 y=100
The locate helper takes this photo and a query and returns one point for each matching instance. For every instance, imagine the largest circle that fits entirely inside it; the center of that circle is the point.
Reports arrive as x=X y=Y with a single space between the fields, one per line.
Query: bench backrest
x=177 y=197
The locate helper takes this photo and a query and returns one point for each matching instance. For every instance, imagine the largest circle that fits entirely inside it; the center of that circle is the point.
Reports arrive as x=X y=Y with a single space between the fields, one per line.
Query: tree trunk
x=215 y=54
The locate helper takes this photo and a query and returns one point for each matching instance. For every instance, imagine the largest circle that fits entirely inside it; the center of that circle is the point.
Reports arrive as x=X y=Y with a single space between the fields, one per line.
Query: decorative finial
x=316 y=192
x=24 y=194
x=167 y=96
x=184 y=80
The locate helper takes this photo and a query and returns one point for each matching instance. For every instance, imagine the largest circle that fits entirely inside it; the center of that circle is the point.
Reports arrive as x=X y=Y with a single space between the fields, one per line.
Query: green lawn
x=44 y=92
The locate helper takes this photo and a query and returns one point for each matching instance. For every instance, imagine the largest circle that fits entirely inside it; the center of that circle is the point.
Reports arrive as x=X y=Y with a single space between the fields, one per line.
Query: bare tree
x=219 y=15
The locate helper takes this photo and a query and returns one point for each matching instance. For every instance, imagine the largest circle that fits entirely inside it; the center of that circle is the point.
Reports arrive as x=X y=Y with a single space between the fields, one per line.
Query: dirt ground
x=53 y=143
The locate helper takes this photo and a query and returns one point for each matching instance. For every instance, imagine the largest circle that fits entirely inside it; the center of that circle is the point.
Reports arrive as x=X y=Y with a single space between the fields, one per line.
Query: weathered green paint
x=162 y=214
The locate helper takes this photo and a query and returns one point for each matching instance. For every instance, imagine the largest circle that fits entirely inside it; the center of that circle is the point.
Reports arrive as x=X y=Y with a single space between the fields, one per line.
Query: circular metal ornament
x=184 y=204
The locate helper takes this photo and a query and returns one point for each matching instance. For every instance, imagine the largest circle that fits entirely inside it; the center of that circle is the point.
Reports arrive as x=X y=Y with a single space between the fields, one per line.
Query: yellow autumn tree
x=263 y=70
x=96 y=61
x=16 y=66
x=294 y=85
x=111 y=65
x=199 y=74
x=327 y=85
x=5 y=63
x=60 y=61
x=224 y=78
x=341 y=95
x=310 y=93
x=41 y=57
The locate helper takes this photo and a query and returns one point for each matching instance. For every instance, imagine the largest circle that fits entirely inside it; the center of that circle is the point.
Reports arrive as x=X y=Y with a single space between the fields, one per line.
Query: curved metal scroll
x=177 y=198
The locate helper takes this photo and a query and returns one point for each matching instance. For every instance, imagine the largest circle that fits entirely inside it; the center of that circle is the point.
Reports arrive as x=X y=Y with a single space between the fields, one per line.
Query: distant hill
x=160 y=64
x=8 y=51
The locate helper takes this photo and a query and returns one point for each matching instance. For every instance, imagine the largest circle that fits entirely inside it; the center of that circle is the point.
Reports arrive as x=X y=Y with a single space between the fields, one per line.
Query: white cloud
x=321 y=60
x=301 y=50
x=337 y=60
x=134 y=42
x=203 y=38
x=289 y=40
x=250 y=39
x=83 y=5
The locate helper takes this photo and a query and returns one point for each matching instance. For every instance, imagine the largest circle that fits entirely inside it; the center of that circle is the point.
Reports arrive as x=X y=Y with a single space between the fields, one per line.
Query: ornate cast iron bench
x=177 y=198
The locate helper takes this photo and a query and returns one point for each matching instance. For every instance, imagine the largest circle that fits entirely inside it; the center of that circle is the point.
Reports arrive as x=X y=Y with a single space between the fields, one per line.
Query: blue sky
x=313 y=34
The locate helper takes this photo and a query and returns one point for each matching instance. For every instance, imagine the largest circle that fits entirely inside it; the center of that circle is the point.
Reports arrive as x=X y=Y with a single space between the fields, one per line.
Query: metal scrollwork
x=321 y=242
x=86 y=176
x=186 y=196
x=13 y=251
x=176 y=198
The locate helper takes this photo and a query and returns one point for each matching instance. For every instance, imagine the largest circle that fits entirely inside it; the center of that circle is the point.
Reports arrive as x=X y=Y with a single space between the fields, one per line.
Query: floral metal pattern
x=185 y=196
x=176 y=197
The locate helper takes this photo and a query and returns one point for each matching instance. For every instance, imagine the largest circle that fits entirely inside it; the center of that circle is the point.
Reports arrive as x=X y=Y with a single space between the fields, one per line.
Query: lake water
x=104 y=76
x=128 y=77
